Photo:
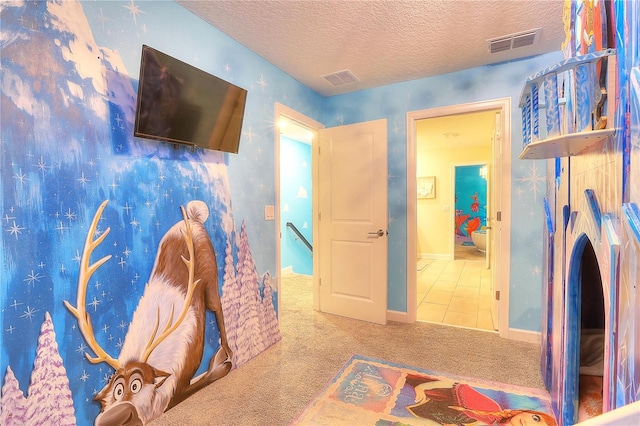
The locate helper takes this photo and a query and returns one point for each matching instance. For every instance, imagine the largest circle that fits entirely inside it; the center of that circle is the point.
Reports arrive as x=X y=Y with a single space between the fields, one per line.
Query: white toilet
x=479 y=239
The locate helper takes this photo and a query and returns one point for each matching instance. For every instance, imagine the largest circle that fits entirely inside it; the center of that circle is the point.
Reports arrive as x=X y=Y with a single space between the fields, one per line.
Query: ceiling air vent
x=340 y=77
x=513 y=41
x=500 y=45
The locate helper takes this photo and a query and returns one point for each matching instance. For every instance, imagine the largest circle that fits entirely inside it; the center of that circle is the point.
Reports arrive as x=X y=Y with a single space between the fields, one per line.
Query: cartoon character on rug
x=450 y=403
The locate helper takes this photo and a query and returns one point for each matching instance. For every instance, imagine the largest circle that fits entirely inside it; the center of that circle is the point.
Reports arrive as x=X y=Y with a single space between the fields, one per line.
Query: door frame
x=313 y=125
x=502 y=275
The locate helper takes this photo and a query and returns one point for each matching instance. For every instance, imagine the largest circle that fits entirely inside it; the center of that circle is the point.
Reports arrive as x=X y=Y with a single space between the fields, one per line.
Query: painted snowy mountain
x=67 y=111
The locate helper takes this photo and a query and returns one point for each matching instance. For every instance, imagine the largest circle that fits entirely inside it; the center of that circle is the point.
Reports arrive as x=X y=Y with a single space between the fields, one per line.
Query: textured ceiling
x=381 y=41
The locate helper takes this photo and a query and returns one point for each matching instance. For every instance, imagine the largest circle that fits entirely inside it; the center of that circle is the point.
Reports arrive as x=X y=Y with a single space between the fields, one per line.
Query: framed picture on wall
x=427 y=187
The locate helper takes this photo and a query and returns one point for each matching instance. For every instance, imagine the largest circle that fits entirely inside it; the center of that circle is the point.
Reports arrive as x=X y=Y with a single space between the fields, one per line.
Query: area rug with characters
x=369 y=391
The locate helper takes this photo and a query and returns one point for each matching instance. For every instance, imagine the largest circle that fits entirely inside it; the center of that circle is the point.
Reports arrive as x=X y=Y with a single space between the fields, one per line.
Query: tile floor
x=455 y=292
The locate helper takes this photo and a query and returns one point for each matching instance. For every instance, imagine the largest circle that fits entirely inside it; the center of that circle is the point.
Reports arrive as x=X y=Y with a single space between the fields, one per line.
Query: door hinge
x=499 y=216
x=497 y=294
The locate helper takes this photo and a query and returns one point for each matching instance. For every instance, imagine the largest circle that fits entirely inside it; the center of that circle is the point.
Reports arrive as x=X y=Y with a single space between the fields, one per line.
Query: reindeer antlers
x=191 y=286
x=86 y=271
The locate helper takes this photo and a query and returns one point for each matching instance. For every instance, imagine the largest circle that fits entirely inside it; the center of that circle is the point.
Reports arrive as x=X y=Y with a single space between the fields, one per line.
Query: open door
x=488 y=254
x=352 y=251
x=494 y=219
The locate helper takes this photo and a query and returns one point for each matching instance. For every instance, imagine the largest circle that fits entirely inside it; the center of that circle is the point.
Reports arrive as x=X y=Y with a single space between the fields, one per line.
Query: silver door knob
x=379 y=233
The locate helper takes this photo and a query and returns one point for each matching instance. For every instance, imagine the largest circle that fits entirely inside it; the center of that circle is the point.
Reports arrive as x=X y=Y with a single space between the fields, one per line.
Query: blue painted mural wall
x=296 y=206
x=528 y=178
x=66 y=146
x=69 y=79
x=194 y=41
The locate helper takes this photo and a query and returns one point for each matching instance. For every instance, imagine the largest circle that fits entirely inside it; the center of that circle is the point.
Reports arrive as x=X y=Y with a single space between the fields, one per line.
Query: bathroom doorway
x=430 y=221
x=470 y=193
x=455 y=288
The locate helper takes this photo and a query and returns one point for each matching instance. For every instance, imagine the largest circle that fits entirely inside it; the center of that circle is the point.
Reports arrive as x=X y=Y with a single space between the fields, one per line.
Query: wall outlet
x=269 y=212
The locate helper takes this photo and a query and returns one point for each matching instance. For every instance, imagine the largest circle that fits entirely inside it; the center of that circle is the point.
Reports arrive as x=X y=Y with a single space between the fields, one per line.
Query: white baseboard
x=286 y=271
x=434 y=256
x=397 y=316
x=524 y=335
x=512 y=334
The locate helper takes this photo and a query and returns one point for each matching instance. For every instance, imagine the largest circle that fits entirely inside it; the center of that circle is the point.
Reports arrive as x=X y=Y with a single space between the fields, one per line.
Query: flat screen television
x=179 y=103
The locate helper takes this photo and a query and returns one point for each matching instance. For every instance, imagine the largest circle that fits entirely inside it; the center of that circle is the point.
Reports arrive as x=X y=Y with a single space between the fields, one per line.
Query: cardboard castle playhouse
x=582 y=116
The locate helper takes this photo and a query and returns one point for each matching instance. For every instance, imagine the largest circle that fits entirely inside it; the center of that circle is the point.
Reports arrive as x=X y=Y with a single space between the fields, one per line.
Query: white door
x=488 y=254
x=494 y=223
x=352 y=198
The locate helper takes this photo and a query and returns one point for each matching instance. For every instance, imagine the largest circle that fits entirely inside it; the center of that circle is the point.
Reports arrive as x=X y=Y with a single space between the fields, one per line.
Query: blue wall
x=295 y=205
x=69 y=78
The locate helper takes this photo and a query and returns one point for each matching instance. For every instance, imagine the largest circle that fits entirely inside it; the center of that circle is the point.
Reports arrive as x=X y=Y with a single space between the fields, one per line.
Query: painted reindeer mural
x=164 y=344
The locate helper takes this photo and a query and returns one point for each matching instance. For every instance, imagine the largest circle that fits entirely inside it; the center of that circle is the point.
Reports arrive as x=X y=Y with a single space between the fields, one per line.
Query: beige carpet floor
x=274 y=387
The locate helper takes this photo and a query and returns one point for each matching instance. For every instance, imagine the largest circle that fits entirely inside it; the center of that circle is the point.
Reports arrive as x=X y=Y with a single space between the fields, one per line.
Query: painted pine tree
x=231 y=301
x=271 y=328
x=12 y=403
x=250 y=341
x=49 y=396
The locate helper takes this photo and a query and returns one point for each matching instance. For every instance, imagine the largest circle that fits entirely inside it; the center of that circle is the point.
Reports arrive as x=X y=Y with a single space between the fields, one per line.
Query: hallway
x=455 y=292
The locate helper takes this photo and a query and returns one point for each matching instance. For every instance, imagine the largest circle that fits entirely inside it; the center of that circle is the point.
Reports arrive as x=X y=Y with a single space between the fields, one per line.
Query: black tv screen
x=180 y=103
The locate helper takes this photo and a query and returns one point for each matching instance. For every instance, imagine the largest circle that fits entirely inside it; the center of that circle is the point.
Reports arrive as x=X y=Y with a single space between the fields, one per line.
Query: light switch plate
x=269 y=212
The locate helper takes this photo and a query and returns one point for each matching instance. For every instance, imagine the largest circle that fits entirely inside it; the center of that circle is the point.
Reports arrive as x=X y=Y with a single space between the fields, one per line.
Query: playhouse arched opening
x=586 y=337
